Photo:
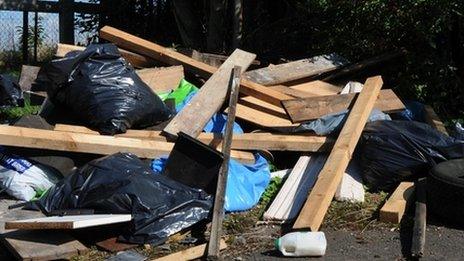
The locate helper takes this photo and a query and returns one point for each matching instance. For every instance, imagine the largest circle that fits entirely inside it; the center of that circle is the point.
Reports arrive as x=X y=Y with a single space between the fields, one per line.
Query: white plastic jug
x=302 y=244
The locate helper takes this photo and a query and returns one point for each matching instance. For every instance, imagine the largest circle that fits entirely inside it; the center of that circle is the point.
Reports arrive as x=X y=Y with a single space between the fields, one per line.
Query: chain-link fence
x=40 y=34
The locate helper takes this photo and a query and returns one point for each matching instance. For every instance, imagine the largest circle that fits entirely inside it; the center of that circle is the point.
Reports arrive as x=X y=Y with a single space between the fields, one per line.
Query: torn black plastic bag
x=123 y=184
x=103 y=90
x=10 y=93
x=394 y=151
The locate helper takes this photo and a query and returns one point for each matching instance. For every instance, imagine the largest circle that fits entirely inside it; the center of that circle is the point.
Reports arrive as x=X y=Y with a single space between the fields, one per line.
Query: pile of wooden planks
x=273 y=101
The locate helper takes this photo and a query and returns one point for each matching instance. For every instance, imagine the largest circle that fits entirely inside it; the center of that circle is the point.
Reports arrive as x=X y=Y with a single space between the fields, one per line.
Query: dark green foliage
x=431 y=31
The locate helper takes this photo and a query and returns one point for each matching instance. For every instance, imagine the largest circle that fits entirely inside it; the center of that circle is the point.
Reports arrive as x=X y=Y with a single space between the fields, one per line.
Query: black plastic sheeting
x=103 y=90
x=394 y=151
x=10 y=93
x=122 y=184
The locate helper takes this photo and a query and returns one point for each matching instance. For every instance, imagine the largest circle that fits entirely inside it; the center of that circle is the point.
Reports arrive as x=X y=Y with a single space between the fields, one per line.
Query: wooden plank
x=67 y=222
x=289 y=91
x=160 y=53
x=28 y=76
x=219 y=196
x=209 y=99
x=306 y=109
x=89 y=143
x=432 y=119
x=317 y=88
x=162 y=79
x=351 y=187
x=288 y=202
x=393 y=210
x=246 y=141
x=319 y=199
x=190 y=253
x=35 y=245
x=136 y=60
x=78 y=142
x=267 y=115
x=42 y=245
x=420 y=219
x=287 y=72
x=263 y=119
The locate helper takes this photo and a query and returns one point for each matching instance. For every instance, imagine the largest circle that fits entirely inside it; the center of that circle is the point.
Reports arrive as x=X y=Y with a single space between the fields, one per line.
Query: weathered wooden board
x=162 y=79
x=317 y=88
x=160 y=53
x=287 y=72
x=137 y=60
x=28 y=76
x=35 y=245
x=306 y=109
x=220 y=195
x=318 y=202
x=67 y=222
x=245 y=141
x=209 y=99
x=393 y=209
x=89 y=143
x=42 y=245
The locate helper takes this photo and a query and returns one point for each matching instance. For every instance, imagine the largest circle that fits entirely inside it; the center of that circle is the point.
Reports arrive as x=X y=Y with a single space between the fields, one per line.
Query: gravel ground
x=442 y=243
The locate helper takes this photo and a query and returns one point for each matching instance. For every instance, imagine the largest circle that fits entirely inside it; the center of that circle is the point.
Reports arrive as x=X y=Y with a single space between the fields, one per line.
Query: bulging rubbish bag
x=122 y=184
x=10 y=93
x=103 y=90
x=393 y=151
x=24 y=179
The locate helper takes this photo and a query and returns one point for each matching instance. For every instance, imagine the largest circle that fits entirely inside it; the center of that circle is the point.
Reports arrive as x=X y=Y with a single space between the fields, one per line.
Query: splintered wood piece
x=136 y=60
x=306 y=109
x=67 y=222
x=195 y=115
x=219 y=196
x=318 y=202
x=169 y=56
x=287 y=72
x=393 y=210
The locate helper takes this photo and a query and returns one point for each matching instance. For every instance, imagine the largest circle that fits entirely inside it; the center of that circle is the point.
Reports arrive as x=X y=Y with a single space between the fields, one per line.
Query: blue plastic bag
x=245 y=183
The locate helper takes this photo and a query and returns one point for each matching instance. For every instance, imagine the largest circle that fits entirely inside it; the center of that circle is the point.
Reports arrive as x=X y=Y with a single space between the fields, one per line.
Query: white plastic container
x=302 y=244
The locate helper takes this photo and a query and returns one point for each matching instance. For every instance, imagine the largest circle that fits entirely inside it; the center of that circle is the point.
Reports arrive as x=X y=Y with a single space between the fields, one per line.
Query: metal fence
x=34 y=40
x=43 y=35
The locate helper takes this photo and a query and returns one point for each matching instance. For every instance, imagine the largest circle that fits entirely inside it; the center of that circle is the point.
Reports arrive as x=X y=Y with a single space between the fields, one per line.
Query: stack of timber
x=273 y=101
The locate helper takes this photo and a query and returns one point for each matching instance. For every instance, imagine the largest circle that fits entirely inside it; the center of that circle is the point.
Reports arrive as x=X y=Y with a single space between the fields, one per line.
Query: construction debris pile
x=134 y=156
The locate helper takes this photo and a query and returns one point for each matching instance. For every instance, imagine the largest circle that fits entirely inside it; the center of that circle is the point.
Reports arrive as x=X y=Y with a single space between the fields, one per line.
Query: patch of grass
x=17 y=112
x=355 y=216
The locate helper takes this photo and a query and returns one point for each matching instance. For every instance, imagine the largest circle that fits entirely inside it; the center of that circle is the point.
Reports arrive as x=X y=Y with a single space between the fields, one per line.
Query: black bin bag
x=103 y=90
x=10 y=93
x=394 y=151
x=122 y=184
